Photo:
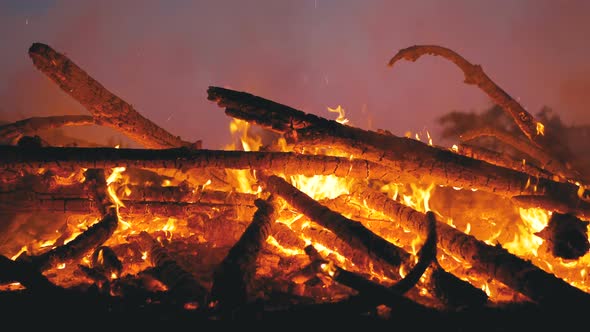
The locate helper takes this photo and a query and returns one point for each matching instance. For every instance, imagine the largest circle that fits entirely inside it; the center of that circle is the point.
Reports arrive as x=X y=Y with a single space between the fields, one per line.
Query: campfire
x=307 y=217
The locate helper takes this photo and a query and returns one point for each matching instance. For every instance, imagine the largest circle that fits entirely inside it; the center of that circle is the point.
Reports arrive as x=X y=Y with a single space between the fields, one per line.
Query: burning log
x=71 y=158
x=181 y=284
x=233 y=277
x=521 y=275
x=351 y=231
x=105 y=107
x=532 y=129
x=414 y=160
x=93 y=237
x=13 y=132
x=566 y=235
x=25 y=274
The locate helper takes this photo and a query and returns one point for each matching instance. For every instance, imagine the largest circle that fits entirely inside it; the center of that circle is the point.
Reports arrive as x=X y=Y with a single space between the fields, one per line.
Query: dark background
x=161 y=56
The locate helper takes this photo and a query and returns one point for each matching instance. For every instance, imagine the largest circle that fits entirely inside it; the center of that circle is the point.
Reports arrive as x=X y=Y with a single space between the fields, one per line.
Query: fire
x=341 y=114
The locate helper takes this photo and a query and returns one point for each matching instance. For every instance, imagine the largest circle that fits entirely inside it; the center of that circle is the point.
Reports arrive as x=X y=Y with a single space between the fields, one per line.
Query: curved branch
x=27 y=127
x=475 y=75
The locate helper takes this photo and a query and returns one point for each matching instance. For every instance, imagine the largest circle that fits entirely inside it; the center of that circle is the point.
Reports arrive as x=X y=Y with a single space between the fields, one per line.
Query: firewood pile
x=319 y=220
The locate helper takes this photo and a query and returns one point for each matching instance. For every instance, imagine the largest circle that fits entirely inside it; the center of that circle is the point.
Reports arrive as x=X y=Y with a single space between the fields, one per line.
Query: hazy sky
x=161 y=56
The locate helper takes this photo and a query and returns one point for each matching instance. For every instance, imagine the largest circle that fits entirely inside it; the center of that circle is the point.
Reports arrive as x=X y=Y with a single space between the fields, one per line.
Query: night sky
x=160 y=56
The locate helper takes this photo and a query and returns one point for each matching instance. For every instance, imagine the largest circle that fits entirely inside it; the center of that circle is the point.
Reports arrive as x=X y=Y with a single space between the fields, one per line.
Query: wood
x=182 y=285
x=475 y=75
x=502 y=160
x=545 y=160
x=350 y=231
x=72 y=158
x=377 y=293
x=232 y=279
x=106 y=108
x=93 y=237
x=12 y=132
x=496 y=262
x=26 y=275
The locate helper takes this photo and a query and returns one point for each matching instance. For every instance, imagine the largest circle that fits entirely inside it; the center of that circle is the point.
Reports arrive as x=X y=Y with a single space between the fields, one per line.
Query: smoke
x=314 y=54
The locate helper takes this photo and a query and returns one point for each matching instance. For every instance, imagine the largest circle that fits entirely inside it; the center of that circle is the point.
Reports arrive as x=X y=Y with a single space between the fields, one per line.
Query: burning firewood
x=415 y=161
x=12 y=132
x=533 y=130
x=348 y=230
x=183 y=286
x=234 y=275
x=93 y=237
x=26 y=274
x=495 y=261
x=105 y=107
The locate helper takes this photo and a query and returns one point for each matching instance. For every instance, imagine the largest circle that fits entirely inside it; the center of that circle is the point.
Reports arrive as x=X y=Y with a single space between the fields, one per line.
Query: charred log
x=182 y=285
x=232 y=284
x=566 y=235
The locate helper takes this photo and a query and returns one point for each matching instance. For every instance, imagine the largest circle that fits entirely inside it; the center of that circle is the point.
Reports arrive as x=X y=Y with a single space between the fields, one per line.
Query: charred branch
x=106 y=108
x=475 y=75
x=13 y=132
x=232 y=283
x=182 y=285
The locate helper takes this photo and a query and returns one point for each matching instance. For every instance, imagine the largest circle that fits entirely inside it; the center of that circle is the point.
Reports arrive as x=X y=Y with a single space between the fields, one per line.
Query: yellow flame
x=540 y=129
x=526 y=242
x=341 y=117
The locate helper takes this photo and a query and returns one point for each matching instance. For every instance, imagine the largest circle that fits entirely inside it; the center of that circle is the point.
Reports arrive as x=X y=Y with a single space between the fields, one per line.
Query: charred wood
x=183 y=286
x=232 y=283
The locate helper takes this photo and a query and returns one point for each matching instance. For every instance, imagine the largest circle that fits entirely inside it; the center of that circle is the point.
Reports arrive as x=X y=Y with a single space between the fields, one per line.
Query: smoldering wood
x=182 y=285
x=412 y=160
x=351 y=231
x=232 y=279
x=377 y=293
x=558 y=154
x=93 y=237
x=496 y=262
x=566 y=236
x=106 y=108
x=96 y=186
x=13 y=132
x=27 y=275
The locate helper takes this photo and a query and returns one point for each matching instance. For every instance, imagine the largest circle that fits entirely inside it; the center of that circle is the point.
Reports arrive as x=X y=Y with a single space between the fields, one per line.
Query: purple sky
x=309 y=54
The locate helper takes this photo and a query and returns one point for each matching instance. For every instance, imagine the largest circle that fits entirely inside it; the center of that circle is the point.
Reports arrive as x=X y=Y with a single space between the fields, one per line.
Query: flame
x=526 y=242
x=540 y=129
x=341 y=116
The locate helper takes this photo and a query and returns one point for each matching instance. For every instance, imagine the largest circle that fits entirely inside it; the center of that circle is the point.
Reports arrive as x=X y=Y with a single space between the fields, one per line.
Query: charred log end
x=454 y=292
x=566 y=236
